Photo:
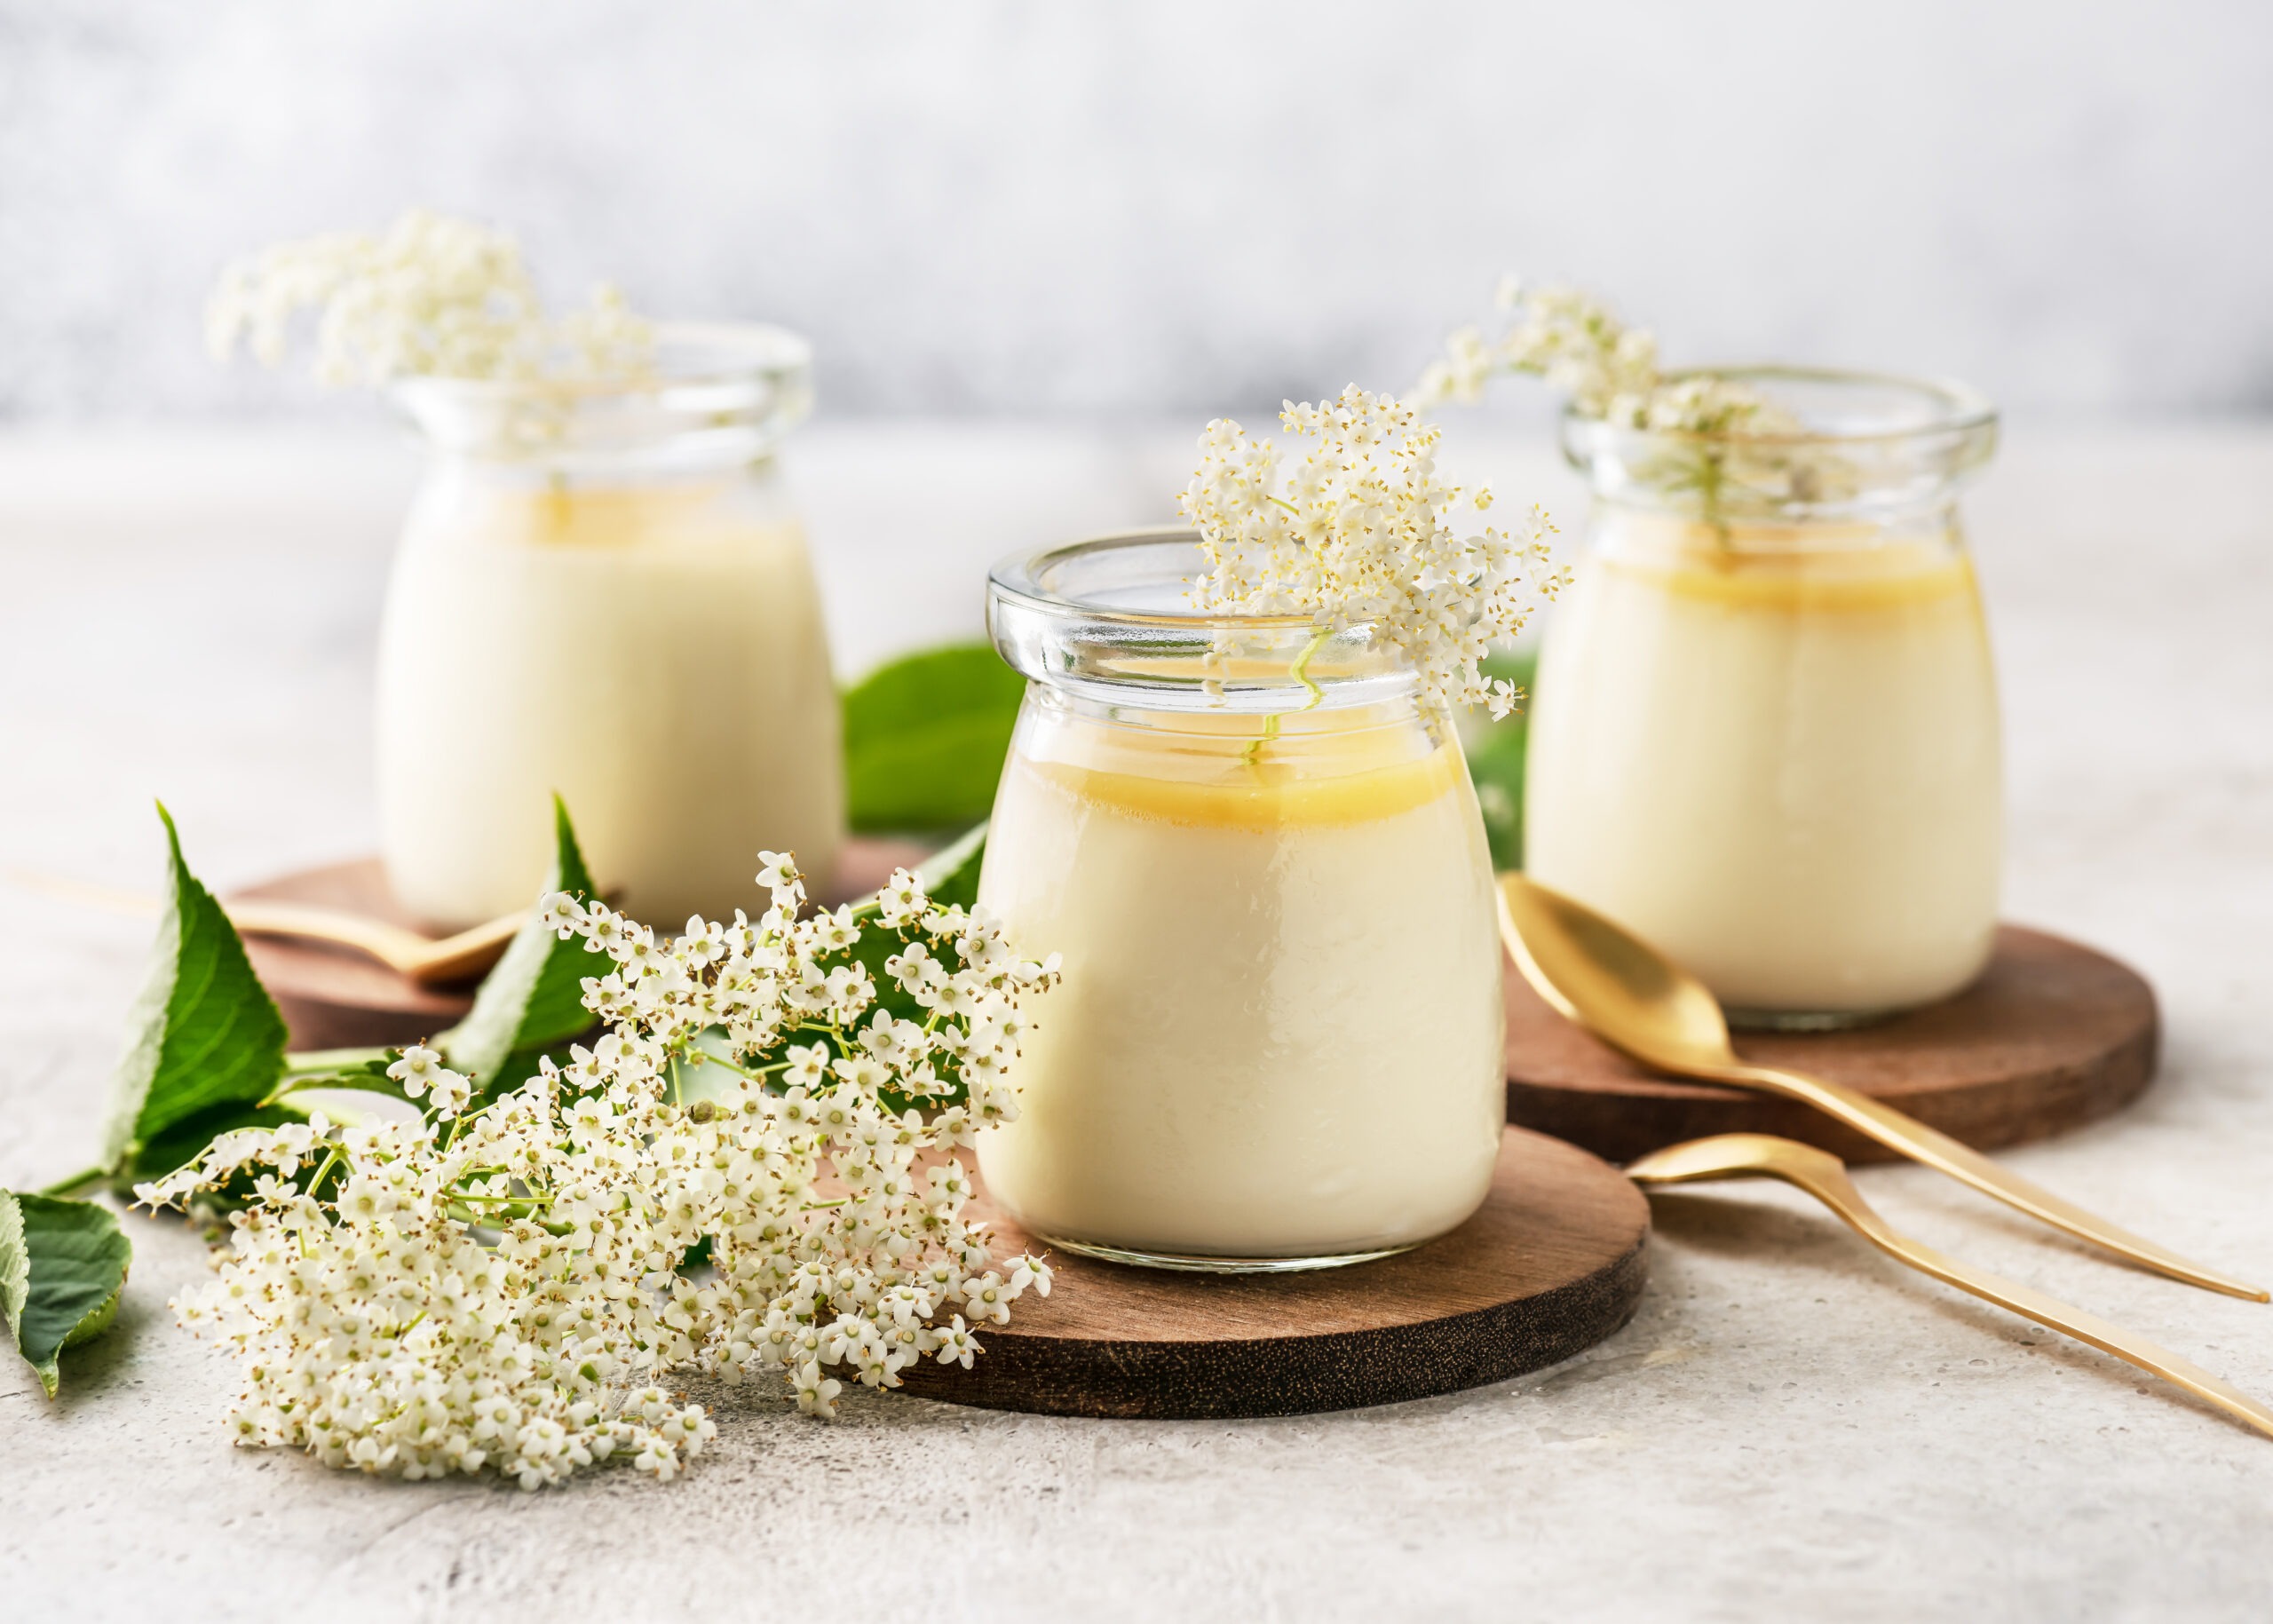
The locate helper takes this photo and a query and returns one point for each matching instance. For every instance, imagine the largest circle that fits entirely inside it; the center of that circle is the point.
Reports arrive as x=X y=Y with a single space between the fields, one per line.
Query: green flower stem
x=1301 y=672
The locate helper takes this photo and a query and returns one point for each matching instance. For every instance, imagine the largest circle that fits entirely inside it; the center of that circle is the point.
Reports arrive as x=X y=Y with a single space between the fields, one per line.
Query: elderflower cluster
x=504 y=1283
x=1358 y=531
x=1609 y=370
x=430 y=298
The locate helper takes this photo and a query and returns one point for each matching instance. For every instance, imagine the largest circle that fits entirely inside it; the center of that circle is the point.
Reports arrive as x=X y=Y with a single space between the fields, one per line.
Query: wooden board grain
x=1553 y=1263
x=2053 y=1035
x=337 y=998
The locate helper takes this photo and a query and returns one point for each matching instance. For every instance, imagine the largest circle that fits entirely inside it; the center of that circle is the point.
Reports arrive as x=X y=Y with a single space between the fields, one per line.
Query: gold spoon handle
x=424 y=960
x=1828 y=1181
x=1937 y=1150
x=391 y=945
x=429 y=963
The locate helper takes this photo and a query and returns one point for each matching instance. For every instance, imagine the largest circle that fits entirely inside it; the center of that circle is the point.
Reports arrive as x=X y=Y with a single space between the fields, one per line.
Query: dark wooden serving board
x=2053 y=1035
x=1553 y=1263
x=337 y=998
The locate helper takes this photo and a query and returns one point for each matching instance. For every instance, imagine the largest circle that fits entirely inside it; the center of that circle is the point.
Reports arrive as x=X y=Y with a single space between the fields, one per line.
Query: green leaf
x=950 y=876
x=344 y=1069
x=534 y=997
x=1496 y=753
x=62 y=1265
x=924 y=738
x=204 y=1034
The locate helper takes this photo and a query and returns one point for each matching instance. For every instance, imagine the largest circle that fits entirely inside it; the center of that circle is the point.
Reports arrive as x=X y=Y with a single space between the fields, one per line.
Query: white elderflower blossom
x=1609 y=370
x=1359 y=532
x=499 y=1285
x=432 y=297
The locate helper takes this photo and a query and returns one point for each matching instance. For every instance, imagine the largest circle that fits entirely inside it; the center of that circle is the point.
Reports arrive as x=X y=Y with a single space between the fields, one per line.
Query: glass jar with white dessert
x=603 y=591
x=1279 y=1043
x=1764 y=731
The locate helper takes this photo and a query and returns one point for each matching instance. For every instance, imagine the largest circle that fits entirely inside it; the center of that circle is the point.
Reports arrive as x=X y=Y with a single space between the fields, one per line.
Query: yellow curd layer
x=1794 y=587
x=1816 y=568
x=1264 y=794
x=600 y=517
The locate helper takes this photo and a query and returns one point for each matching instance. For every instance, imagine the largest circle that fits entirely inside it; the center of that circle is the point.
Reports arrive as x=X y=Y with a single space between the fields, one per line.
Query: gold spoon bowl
x=1636 y=1000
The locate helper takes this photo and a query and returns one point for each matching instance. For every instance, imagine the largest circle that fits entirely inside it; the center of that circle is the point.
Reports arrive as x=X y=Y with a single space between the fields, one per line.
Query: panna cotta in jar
x=606 y=594
x=1765 y=738
x=1279 y=1041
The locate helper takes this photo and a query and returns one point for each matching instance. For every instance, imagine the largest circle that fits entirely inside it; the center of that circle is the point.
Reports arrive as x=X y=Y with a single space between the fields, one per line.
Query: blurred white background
x=1024 y=209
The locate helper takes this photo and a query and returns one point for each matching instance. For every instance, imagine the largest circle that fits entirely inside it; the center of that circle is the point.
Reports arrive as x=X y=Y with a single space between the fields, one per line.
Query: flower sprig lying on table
x=503 y=1283
x=1359 y=531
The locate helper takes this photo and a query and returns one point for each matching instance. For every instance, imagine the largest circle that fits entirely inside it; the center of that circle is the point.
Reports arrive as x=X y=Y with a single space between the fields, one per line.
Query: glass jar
x=603 y=591
x=1279 y=1041
x=1765 y=735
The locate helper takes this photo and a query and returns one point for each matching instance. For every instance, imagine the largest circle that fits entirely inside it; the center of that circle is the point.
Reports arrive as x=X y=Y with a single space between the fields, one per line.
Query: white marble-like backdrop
x=1016 y=208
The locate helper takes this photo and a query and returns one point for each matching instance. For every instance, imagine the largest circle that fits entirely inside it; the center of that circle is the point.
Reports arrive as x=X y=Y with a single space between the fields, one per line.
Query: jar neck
x=711 y=398
x=1657 y=532
x=665 y=470
x=1844 y=447
x=1326 y=737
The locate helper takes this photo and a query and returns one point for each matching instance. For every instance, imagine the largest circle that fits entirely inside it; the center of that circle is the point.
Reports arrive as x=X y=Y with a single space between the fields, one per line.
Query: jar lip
x=688 y=352
x=1947 y=406
x=1106 y=619
x=1022 y=578
x=717 y=393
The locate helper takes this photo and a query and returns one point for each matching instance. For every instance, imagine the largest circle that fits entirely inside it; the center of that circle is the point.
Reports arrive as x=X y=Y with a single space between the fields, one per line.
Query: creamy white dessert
x=1279 y=1034
x=1776 y=757
x=653 y=653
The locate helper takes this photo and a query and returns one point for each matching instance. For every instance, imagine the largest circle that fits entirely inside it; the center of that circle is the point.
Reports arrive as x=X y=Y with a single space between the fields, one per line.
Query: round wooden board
x=1553 y=1263
x=2051 y=1036
x=337 y=998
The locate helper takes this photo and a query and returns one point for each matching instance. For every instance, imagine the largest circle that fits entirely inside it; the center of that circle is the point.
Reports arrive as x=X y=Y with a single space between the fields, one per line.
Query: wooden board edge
x=1216 y=1380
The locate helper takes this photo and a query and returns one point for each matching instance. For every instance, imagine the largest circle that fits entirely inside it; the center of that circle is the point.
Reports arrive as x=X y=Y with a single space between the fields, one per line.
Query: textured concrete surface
x=1791 y=1428
x=1012 y=207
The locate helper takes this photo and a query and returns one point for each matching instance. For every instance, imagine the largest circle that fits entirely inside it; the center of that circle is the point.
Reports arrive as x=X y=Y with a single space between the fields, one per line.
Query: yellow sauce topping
x=1264 y=794
x=1807 y=586
x=605 y=516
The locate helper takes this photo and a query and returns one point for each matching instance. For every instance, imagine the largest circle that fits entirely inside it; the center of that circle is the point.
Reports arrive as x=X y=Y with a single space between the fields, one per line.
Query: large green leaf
x=924 y=738
x=62 y=1265
x=534 y=997
x=204 y=1034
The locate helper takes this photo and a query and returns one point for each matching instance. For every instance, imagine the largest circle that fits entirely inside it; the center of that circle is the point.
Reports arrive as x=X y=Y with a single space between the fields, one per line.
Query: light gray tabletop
x=1790 y=1428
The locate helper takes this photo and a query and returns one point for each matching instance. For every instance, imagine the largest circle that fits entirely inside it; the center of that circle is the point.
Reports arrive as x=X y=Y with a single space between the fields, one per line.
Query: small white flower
x=816 y=1393
x=505 y=1295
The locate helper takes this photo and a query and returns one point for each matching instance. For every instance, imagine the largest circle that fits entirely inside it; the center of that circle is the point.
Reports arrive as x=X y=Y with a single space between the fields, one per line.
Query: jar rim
x=688 y=352
x=1949 y=406
x=714 y=392
x=1870 y=445
x=1103 y=619
x=1022 y=577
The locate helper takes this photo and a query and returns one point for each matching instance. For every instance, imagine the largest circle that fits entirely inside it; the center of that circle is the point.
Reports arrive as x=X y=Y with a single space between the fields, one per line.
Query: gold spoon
x=1635 y=999
x=1822 y=1175
x=425 y=961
